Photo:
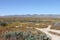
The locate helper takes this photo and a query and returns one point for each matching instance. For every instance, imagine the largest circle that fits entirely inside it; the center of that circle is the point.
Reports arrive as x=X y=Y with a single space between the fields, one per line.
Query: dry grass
x=55 y=27
x=54 y=33
x=14 y=21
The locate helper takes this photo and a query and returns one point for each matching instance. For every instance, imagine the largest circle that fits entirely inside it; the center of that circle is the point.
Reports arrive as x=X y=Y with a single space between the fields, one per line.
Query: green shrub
x=26 y=36
x=3 y=24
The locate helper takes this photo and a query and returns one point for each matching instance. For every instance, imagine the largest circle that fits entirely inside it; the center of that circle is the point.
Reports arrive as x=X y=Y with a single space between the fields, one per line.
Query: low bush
x=24 y=36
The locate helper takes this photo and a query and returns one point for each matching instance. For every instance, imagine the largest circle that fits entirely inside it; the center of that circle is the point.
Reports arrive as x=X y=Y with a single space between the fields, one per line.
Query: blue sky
x=22 y=7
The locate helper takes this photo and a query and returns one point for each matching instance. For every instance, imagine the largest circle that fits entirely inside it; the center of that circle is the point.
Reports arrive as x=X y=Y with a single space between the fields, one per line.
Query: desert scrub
x=17 y=35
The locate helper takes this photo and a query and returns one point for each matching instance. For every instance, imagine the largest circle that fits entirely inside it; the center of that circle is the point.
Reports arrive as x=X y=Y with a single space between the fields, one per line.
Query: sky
x=23 y=7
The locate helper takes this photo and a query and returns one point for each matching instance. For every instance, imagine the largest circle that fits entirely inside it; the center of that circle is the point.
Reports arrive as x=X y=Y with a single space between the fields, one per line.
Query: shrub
x=3 y=24
x=26 y=36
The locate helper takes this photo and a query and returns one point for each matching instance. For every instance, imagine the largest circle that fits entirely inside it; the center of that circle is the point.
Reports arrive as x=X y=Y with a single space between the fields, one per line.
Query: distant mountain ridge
x=35 y=15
